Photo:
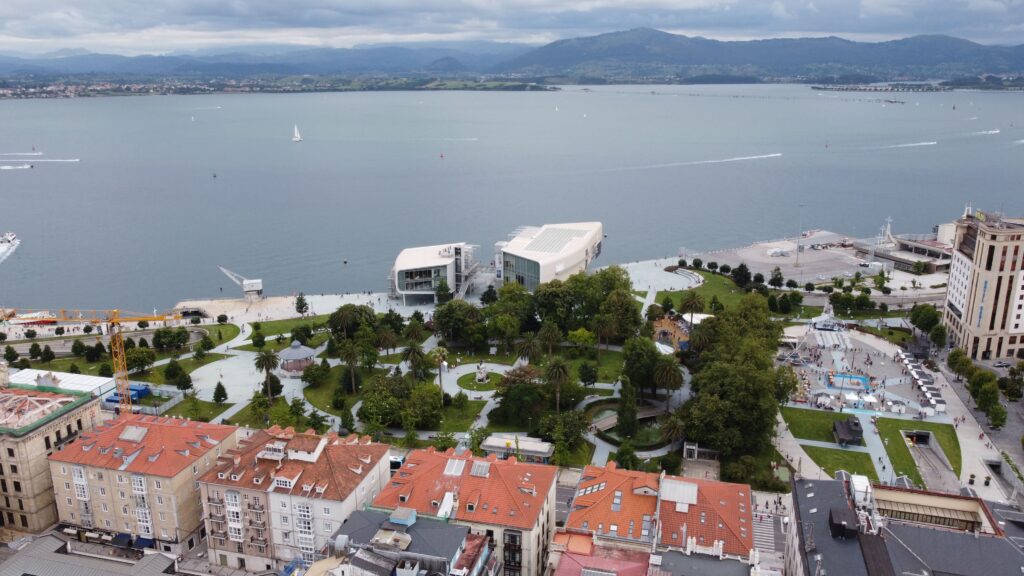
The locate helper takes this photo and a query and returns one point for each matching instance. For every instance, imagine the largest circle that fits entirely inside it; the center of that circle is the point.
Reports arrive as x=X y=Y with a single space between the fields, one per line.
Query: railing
x=257 y=506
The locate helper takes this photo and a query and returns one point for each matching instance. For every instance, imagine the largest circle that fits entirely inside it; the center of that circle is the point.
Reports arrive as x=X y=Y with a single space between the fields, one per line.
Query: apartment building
x=35 y=421
x=139 y=475
x=651 y=511
x=510 y=502
x=984 y=310
x=280 y=495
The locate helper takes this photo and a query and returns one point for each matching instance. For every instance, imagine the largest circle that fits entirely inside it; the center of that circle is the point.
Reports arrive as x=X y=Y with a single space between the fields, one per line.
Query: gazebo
x=296 y=357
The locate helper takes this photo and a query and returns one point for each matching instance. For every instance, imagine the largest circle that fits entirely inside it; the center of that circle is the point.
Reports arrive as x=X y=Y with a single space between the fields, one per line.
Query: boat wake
x=911 y=145
x=16 y=167
x=57 y=160
x=21 y=154
x=985 y=132
x=693 y=163
x=1019 y=143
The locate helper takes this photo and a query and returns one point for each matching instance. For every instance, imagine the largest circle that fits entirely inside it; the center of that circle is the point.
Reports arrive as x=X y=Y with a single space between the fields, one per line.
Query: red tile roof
x=501 y=492
x=338 y=470
x=618 y=561
x=145 y=444
x=720 y=510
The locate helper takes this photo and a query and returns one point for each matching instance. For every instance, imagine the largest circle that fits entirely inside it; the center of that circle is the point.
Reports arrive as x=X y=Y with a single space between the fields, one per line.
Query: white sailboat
x=296 y=137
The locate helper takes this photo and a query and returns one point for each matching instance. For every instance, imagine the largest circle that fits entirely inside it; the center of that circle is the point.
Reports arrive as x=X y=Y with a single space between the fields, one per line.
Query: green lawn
x=273 y=344
x=641 y=293
x=493 y=426
x=279 y=414
x=395 y=358
x=468 y=382
x=207 y=410
x=812 y=424
x=460 y=357
x=221 y=333
x=898 y=337
x=899 y=453
x=832 y=459
x=155 y=375
x=92 y=369
x=153 y=400
x=714 y=285
x=600 y=392
x=275 y=327
x=609 y=368
x=456 y=420
x=320 y=396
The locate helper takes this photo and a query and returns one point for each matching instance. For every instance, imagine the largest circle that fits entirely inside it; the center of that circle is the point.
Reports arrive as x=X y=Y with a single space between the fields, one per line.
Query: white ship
x=296 y=137
x=8 y=244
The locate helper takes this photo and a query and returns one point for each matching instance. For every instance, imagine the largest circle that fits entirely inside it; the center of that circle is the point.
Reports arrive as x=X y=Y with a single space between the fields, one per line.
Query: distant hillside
x=643 y=52
x=637 y=55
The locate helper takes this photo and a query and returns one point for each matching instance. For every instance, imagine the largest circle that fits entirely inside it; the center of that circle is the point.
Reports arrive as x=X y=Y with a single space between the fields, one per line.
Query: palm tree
x=387 y=339
x=439 y=355
x=413 y=331
x=691 y=302
x=667 y=376
x=267 y=361
x=673 y=428
x=530 y=347
x=604 y=327
x=550 y=335
x=349 y=354
x=557 y=373
x=700 y=338
x=414 y=356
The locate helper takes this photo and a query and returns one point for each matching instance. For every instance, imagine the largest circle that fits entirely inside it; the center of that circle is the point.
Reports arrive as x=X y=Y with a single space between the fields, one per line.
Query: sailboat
x=296 y=137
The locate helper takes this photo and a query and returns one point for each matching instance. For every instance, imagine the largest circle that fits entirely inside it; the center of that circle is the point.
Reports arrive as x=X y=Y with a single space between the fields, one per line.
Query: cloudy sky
x=157 y=26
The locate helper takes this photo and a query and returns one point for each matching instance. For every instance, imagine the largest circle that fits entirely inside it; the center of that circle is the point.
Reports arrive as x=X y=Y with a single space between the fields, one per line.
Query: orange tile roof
x=145 y=444
x=511 y=493
x=342 y=465
x=724 y=508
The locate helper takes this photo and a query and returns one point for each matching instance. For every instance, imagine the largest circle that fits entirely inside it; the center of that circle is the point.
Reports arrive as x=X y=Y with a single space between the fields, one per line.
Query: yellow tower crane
x=113 y=319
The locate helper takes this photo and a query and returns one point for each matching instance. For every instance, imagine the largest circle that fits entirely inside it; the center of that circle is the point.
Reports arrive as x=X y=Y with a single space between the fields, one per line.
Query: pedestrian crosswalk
x=766 y=528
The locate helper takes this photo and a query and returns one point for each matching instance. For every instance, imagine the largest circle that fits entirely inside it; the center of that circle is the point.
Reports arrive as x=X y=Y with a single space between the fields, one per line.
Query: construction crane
x=113 y=319
x=251 y=287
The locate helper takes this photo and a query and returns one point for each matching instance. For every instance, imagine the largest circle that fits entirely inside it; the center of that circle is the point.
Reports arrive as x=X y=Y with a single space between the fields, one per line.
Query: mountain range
x=641 y=54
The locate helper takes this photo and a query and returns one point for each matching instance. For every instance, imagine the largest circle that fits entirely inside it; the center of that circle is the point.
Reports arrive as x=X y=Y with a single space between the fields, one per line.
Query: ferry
x=8 y=244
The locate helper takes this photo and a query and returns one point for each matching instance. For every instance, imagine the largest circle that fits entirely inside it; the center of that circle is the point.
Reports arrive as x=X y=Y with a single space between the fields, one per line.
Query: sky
x=162 y=26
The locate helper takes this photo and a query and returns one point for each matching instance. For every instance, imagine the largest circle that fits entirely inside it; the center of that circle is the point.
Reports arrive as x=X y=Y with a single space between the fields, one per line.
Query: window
x=121 y=493
x=613 y=528
x=10 y=452
x=162 y=516
x=160 y=500
x=284 y=505
x=159 y=485
x=17 y=486
x=120 y=479
x=67 y=486
x=284 y=520
x=328 y=527
x=14 y=467
x=106 y=523
x=327 y=511
x=283 y=482
x=69 y=500
x=124 y=510
x=103 y=491
x=103 y=505
x=64 y=470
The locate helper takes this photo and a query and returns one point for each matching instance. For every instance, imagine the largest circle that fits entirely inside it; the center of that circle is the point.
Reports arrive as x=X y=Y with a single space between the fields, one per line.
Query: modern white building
x=535 y=255
x=418 y=271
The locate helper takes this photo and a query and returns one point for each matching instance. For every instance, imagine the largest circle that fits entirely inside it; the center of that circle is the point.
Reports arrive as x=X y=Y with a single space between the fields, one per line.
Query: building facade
x=281 y=495
x=535 y=255
x=985 y=293
x=418 y=272
x=36 y=421
x=509 y=502
x=139 y=475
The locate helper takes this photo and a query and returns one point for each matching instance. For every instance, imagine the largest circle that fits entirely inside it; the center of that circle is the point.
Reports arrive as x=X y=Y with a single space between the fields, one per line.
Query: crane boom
x=235 y=277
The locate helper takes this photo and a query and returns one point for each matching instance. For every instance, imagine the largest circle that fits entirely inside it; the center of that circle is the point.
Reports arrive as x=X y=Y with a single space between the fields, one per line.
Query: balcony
x=215 y=500
x=256 y=506
x=257 y=523
x=258 y=541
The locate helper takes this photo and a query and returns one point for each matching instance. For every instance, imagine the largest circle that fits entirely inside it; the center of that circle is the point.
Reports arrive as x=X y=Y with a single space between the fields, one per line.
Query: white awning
x=70 y=531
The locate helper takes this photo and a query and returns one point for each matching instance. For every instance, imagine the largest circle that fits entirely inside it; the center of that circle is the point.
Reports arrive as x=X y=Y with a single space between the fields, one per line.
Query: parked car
x=1002 y=364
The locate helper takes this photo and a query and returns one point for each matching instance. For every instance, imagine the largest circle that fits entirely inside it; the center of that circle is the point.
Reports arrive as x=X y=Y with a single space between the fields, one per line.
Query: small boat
x=296 y=137
x=8 y=244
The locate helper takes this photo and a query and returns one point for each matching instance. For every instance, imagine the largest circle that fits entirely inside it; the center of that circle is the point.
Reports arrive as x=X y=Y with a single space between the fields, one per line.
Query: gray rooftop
x=296 y=351
x=813 y=499
x=374 y=563
x=913 y=548
x=679 y=564
x=429 y=537
x=43 y=557
x=553 y=239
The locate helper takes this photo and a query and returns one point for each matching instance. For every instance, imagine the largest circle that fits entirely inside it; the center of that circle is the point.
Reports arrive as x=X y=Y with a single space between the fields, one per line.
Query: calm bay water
x=141 y=222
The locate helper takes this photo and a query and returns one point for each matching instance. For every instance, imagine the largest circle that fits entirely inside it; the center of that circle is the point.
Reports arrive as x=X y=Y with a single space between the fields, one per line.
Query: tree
x=550 y=335
x=267 y=361
x=3 y=336
x=182 y=382
x=222 y=319
x=74 y=369
x=791 y=284
x=530 y=347
x=259 y=405
x=442 y=292
x=439 y=356
x=627 y=423
x=697 y=263
x=725 y=269
x=386 y=339
x=681 y=262
x=105 y=370
x=691 y=303
x=958 y=362
x=344 y=321
x=1014 y=388
x=673 y=428
x=809 y=287
x=87 y=329
x=741 y=275
x=713 y=266
x=220 y=394
x=988 y=396
x=35 y=351
x=316 y=375
x=666 y=303
x=997 y=416
x=10 y=354
x=445 y=440
x=297 y=409
x=582 y=338
x=490 y=296
x=557 y=375
x=143 y=324
x=172 y=370
x=776 y=279
x=94 y=353
x=140 y=359
x=621 y=309
x=626 y=456
x=47 y=355
x=587 y=373
x=143 y=343
x=301 y=306
x=667 y=375
x=77 y=348
x=414 y=356
x=604 y=328
x=639 y=358
x=477 y=435
x=938 y=335
x=924 y=317
x=349 y=354
x=317 y=422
